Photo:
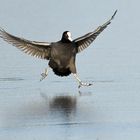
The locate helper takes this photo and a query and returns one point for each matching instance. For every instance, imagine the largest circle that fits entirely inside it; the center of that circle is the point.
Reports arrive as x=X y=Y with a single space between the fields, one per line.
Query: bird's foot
x=44 y=75
x=81 y=84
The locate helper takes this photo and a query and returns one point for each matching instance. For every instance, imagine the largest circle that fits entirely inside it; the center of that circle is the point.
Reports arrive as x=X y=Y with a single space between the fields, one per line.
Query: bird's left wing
x=33 y=48
x=84 y=41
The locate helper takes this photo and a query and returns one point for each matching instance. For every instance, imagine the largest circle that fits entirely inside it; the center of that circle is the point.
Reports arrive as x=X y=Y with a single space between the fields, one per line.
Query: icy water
x=55 y=109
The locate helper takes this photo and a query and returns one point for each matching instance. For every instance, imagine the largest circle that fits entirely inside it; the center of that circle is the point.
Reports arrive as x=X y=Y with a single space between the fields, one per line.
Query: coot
x=61 y=54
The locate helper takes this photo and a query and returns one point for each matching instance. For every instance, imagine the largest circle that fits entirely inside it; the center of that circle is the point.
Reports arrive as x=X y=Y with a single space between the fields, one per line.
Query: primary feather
x=33 y=48
x=84 y=41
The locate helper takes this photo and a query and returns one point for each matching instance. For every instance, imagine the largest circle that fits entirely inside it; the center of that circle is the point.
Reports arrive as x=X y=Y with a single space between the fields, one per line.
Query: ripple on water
x=11 y=79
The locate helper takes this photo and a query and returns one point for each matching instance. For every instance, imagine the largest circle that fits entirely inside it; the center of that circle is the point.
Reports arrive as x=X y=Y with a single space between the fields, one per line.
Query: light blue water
x=54 y=108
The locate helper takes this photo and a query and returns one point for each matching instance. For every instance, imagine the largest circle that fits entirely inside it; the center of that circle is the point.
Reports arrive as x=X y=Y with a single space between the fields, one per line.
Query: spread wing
x=33 y=48
x=84 y=41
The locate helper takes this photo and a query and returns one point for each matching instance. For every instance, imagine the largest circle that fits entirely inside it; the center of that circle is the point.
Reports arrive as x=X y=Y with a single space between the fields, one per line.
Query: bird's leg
x=80 y=82
x=44 y=75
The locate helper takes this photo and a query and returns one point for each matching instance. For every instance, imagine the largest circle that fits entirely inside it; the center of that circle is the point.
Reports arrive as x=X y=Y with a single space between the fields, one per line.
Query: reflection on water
x=64 y=103
x=61 y=104
x=43 y=111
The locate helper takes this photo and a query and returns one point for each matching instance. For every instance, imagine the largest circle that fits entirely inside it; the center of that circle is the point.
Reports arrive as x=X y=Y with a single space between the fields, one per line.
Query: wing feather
x=84 y=41
x=33 y=48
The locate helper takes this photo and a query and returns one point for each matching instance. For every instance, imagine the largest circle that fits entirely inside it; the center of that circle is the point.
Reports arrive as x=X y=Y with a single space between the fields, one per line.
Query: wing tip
x=114 y=14
x=2 y=32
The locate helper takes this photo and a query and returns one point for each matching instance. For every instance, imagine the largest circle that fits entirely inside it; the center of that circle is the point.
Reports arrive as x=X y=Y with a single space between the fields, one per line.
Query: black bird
x=61 y=54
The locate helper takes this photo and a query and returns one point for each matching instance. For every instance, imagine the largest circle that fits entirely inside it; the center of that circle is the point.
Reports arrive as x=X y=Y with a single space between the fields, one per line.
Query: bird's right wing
x=33 y=48
x=84 y=41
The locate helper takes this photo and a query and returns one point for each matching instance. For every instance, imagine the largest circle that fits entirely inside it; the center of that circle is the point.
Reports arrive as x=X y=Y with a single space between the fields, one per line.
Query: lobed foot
x=84 y=84
x=44 y=75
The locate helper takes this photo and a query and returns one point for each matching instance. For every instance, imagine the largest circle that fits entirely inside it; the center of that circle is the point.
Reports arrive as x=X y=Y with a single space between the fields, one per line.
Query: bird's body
x=61 y=54
x=62 y=59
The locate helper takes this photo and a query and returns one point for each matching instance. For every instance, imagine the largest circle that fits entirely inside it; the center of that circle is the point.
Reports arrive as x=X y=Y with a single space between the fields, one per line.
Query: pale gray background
x=109 y=110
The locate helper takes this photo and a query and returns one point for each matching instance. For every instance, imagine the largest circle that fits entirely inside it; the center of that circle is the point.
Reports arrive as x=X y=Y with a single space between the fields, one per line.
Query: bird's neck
x=65 y=40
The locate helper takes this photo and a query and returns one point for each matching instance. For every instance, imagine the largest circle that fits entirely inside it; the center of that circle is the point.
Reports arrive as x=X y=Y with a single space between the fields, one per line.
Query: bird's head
x=66 y=37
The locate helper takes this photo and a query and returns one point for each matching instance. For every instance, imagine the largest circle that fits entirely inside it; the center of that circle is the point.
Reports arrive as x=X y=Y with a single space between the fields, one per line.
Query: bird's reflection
x=62 y=104
x=55 y=108
x=67 y=104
